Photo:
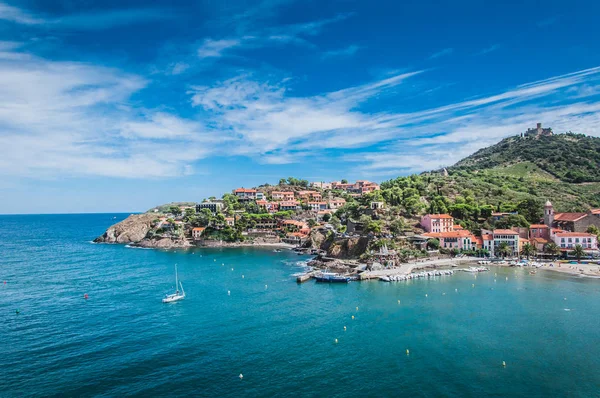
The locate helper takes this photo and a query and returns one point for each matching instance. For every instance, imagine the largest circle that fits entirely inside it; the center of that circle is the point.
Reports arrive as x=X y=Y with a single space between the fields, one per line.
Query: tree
x=528 y=250
x=578 y=252
x=326 y=217
x=282 y=181
x=311 y=222
x=397 y=225
x=512 y=220
x=190 y=212
x=504 y=250
x=592 y=229
x=552 y=249
x=344 y=181
x=433 y=244
x=531 y=209
x=374 y=227
x=175 y=210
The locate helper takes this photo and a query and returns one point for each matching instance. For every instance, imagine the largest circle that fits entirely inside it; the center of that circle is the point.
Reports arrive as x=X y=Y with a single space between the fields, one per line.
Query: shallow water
x=279 y=335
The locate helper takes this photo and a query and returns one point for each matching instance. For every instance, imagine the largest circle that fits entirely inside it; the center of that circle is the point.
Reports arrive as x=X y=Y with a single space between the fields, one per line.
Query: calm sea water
x=279 y=335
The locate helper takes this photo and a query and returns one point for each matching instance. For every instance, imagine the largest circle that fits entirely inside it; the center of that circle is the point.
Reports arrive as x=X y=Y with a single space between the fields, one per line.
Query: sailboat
x=171 y=298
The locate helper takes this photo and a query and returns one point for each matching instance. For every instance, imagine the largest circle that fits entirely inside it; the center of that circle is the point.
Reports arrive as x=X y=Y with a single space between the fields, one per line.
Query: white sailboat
x=178 y=295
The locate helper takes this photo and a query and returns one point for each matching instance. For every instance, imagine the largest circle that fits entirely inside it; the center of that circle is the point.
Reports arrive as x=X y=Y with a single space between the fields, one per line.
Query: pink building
x=286 y=196
x=461 y=240
x=539 y=231
x=437 y=223
x=568 y=240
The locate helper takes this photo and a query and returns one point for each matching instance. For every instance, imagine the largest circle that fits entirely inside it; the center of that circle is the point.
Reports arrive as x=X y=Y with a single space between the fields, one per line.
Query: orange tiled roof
x=245 y=190
x=538 y=226
x=487 y=237
x=505 y=232
x=440 y=216
x=539 y=240
x=198 y=229
x=578 y=234
x=569 y=216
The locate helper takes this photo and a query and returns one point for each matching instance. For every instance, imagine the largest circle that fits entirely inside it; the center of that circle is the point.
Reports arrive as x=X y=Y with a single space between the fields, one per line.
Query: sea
x=247 y=329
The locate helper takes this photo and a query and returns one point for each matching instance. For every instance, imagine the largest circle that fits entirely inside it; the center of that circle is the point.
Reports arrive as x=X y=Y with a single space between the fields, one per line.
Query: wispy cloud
x=442 y=53
x=89 y=21
x=216 y=48
x=489 y=49
x=342 y=52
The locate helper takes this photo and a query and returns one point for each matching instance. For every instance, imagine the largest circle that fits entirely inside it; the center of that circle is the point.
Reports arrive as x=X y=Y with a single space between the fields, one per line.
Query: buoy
x=473 y=285
x=242 y=276
x=565 y=298
x=241 y=376
x=407 y=352
x=507 y=278
x=17 y=311
x=266 y=287
x=232 y=269
x=214 y=259
x=494 y=281
x=503 y=363
x=85 y=296
x=352 y=316
x=443 y=294
x=425 y=294
x=356 y=308
x=456 y=290
x=222 y=264
x=398 y=301
x=344 y=328
x=229 y=293
x=336 y=340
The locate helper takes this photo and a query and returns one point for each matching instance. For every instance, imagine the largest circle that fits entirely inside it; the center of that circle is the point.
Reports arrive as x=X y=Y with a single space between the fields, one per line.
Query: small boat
x=276 y=250
x=171 y=298
x=331 y=277
x=533 y=272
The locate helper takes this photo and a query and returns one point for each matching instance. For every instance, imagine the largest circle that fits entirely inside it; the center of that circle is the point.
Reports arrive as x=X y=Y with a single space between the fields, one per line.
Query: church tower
x=548 y=214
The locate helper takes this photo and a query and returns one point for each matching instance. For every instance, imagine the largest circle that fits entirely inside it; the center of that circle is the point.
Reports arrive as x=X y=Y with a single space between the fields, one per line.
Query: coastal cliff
x=131 y=230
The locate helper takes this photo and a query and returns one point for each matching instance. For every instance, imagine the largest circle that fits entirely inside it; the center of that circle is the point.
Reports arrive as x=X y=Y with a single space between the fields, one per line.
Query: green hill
x=568 y=157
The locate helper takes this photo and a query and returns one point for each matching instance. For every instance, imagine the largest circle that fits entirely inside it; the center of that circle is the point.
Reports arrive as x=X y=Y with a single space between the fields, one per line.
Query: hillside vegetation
x=568 y=157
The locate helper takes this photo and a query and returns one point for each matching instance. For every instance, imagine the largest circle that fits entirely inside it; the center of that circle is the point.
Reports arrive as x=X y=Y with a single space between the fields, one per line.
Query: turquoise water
x=281 y=337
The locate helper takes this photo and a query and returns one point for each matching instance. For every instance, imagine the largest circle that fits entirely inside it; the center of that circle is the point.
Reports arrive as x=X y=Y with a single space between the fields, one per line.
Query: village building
x=285 y=196
x=259 y=196
x=230 y=221
x=316 y=206
x=244 y=194
x=289 y=205
x=309 y=196
x=322 y=185
x=500 y=236
x=538 y=131
x=215 y=207
x=377 y=205
x=568 y=240
x=336 y=203
x=197 y=233
x=437 y=223
x=459 y=240
x=573 y=222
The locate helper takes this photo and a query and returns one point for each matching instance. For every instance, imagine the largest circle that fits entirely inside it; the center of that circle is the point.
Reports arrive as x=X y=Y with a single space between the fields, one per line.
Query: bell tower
x=548 y=213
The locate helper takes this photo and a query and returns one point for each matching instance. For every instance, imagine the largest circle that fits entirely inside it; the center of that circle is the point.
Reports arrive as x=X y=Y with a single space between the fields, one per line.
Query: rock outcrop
x=163 y=243
x=131 y=230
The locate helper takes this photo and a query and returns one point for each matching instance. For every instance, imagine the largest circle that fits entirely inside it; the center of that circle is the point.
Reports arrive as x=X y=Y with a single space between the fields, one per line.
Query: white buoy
x=425 y=294
x=232 y=269
x=241 y=376
x=494 y=281
x=214 y=259
x=507 y=278
x=398 y=301
x=443 y=294
x=229 y=293
x=266 y=286
x=503 y=363
x=336 y=340
x=565 y=298
x=356 y=308
x=352 y=316
x=242 y=276
x=222 y=264
x=407 y=352
x=456 y=290
x=344 y=328
x=473 y=285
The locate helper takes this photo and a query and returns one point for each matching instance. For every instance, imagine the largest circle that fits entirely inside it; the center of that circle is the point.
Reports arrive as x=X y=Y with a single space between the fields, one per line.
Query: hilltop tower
x=548 y=213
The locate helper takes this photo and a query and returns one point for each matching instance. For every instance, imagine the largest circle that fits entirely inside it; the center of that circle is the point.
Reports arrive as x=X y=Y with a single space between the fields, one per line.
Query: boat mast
x=176 y=279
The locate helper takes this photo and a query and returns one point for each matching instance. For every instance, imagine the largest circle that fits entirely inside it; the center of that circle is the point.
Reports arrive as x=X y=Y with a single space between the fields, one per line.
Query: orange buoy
x=85 y=296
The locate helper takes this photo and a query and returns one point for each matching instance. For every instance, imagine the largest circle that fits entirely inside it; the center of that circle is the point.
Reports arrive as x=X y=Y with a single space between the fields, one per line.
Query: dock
x=304 y=277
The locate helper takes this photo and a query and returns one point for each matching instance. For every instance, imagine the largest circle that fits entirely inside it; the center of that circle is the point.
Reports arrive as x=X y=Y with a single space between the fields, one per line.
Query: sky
x=118 y=106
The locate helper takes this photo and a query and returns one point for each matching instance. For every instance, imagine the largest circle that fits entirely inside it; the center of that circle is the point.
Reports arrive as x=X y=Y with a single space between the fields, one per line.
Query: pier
x=304 y=277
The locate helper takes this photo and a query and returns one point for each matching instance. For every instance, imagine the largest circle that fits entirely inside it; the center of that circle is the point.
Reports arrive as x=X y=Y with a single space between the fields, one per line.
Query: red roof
x=487 y=237
x=595 y=211
x=578 y=234
x=198 y=229
x=440 y=216
x=240 y=190
x=457 y=227
x=505 y=232
x=538 y=226
x=455 y=234
x=569 y=216
x=539 y=240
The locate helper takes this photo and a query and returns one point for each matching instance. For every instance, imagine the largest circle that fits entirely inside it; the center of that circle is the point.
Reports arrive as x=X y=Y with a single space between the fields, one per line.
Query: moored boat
x=331 y=277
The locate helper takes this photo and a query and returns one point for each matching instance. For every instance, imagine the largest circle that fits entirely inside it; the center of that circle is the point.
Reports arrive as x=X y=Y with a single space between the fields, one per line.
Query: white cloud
x=215 y=48
x=441 y=53
x=14 y=14
x=68 y=118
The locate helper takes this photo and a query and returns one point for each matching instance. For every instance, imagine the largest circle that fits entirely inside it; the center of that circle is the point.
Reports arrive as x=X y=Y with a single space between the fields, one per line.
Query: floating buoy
x=344 y=328
x=214 y=259
x=266 y=287
x=456 y=290
x=565 y=298
x=336 y=340
x=507 y=278
x=356 y=308
x=407 y=352
x=443 y=294
x=85 y=296
x=352 y=316
x=473 y=285
x=229 y=293
x=17 y=311
x=232 y=269
x=222 y=264
x=425 y=294
x=241 y=376
x=503 y=363
x=494 y=281
x=495 y=274
x=242 y=276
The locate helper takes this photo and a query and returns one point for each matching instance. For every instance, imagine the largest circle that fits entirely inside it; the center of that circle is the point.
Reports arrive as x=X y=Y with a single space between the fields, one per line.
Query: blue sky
x=122 y=105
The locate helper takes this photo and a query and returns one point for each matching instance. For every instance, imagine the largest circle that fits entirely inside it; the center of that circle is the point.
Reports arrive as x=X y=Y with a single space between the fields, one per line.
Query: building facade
x=437 y=223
